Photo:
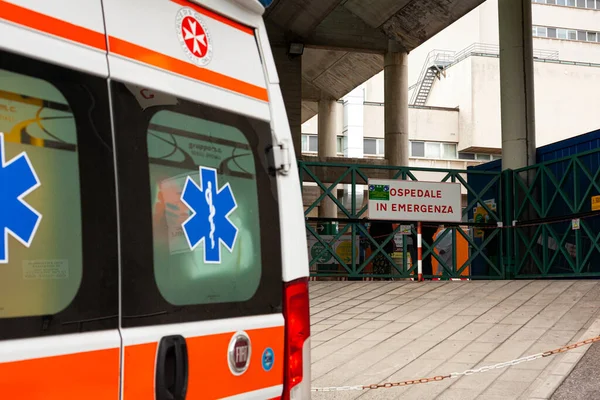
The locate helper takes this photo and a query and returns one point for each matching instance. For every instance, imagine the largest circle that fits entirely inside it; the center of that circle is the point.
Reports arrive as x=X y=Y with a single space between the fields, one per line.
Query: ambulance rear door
x=59 y=337
x=199 y=221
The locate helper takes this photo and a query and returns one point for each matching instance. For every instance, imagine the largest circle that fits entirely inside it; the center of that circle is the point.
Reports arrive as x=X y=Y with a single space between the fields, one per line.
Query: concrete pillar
x=516 y=84
x=289 y=70
x=396 y=105
x=327 y=147
x=517 y=103
x=327 y=128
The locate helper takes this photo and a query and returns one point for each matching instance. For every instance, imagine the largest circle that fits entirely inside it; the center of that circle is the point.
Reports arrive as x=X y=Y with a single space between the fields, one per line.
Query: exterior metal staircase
x=438 y=61
x=434 y=67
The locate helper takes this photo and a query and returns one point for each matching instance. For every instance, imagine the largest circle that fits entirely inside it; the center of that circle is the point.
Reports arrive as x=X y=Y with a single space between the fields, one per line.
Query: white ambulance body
x=153 y=235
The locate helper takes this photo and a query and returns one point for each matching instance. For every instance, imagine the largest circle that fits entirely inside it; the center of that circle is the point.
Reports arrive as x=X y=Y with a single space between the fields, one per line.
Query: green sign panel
x=379 y=192
x=318 y=249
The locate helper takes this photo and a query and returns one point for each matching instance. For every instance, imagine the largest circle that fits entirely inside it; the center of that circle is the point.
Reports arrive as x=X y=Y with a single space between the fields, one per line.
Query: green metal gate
x=557 y=227
x=482 y=241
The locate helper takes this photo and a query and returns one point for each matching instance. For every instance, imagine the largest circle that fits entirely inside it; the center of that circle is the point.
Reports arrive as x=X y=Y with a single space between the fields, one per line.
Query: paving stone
x=507 y=389
x=498 y=333
x=392 y=326
x=472 y=331
x=446 y=350
x=328 y=334
x=519 y=375
x=356 y=333
x=458 y=394
x=379 y=335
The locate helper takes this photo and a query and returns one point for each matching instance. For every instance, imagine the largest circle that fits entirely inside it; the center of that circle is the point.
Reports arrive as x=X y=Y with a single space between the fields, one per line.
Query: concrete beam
x=344 y=30
x=375 y=12
x=419 y=20
x=347 y=71
x=309 y=109
x=300 y=16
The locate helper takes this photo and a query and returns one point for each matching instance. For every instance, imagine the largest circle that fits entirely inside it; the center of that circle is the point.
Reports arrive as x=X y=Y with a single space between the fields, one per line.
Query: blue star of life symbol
x=209 y=222
x=17 y=180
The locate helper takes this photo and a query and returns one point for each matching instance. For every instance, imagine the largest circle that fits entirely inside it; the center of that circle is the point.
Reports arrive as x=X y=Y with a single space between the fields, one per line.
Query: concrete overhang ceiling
x=345 y=39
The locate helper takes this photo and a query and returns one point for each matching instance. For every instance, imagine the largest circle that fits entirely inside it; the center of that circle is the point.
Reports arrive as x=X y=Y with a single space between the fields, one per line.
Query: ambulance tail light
x=297 y=332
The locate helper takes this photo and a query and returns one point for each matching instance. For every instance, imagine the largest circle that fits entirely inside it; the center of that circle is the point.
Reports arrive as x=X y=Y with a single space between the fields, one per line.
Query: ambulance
x=153 y=239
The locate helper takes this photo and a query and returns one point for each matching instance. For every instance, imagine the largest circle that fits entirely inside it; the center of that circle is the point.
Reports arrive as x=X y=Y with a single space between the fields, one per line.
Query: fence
x=541 y=221
x=558 y=235
x=346 y=246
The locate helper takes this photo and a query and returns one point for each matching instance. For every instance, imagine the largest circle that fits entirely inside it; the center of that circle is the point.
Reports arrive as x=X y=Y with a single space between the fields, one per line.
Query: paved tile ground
x=374 y=332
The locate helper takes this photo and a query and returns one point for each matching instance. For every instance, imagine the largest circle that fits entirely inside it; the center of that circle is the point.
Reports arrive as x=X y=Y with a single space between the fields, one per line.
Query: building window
x=417 y=149
x=310 y=143
x=434 y=150
x=540 y=31
x=449 y=151
x=568 y=34
x=482 y=157
x=479 y=156
x=590 y=4
x=561 y=33
x=373 y=147
x=341 y=141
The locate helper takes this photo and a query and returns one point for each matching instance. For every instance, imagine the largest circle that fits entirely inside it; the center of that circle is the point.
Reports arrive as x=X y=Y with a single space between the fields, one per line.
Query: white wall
x=566 y=99
x=456 y=90
x=566 y=17
x=485 y=81
x=571 y=50
x=488 y=22
x=423 y=124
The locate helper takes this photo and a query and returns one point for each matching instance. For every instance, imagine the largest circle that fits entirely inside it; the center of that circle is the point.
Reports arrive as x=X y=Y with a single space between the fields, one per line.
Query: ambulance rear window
x=206 y=228
x=40 y=268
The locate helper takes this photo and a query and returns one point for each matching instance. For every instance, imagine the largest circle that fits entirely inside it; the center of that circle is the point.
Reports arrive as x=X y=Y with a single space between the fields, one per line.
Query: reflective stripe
x=65 y=30
x=167 y=63
x=209 y=373
x=92 y=375
x=54 y=26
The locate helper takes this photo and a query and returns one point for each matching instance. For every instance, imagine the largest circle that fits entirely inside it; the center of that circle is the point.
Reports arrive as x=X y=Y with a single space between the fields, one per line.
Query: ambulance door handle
x=171 y=368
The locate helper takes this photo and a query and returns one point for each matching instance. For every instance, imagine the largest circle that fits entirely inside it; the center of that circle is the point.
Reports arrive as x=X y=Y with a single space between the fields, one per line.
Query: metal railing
x=362 y=250
x=555 y=204
x=447 y=58
x=434 y=58
x=542 y=221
